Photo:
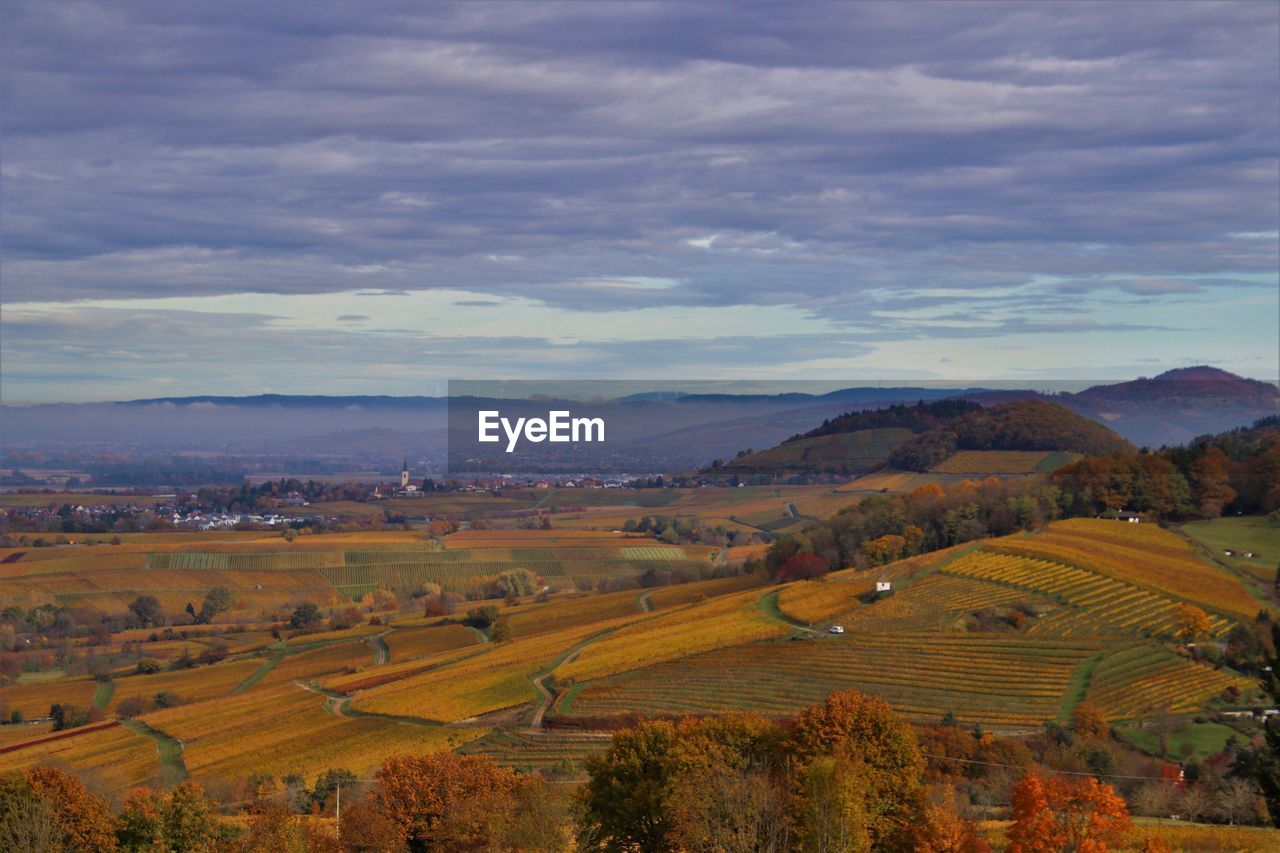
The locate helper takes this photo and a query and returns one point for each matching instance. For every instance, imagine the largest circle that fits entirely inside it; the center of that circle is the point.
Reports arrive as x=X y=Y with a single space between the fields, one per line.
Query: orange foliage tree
x=446 y=801
x=85 y=819
x=1191 y=623
x=943 y=830
x=1088 y=722
x=853 y=726
x=1066 y=816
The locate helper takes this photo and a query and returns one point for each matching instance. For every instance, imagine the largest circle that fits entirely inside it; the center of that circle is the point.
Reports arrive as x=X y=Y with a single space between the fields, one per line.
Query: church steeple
x=404 y=473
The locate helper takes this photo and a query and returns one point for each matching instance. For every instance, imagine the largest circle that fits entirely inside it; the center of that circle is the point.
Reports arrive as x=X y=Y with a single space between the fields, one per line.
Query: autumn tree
x=1211 y=482
x=802 y=567
x=664 y=785
x=886 y=549
x=366 y=826
x=539 y=820
x=273 y=827
x=46 y=804
x=181 y=819
x=1066 y=816
x=216 y=602
x=1191 y=623
x=726 y=793
x=1088 y=722
x=943 y=829
x=446 y=801
x=27 y=821
x=147 y=612
x=863 y=733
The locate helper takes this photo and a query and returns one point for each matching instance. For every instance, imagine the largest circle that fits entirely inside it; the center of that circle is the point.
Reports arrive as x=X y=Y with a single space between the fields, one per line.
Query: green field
x=1194 y=742
x=1241 y=533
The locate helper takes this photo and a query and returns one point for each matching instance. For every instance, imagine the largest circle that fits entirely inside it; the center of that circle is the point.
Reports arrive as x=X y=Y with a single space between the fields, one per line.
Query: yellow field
x=1146 y=681
x=724 y=621
x=1141 y=554
x=11 y=734
x=411 y=643
x=286 y=729
x=347 y=656
x=821 y=600
x=1176 y=835
x=33 y=700
x=893 y=480
x=124 y=759
x=982 y=462
x=572 y=611
x=689 y=593
x=497 y=677
x=192 y=685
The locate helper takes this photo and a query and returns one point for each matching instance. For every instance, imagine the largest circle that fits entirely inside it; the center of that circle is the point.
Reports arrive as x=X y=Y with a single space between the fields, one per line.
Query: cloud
x=850 y=162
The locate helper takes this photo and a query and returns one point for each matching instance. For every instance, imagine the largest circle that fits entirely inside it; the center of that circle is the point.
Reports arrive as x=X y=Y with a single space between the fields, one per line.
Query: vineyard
x=123 y=759
x=996 y=462
x=1093 y=604
x=998 y=682
x=1140 y=554
x=527 y=751
x=1147 y=680
x=1009 y=633
x=267 y=578
x=892 y=480
x=723 y=621
x=286 y=729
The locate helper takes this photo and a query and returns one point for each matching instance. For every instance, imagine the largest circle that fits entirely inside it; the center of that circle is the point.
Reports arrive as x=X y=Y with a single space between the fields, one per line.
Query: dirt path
x=645 y=602
x=768 y=605
x=540 y=680
x=381 y=651
x=172 y=768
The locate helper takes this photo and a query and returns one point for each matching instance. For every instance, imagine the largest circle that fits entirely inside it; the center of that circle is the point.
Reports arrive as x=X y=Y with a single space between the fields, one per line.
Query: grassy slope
x=1241 y=533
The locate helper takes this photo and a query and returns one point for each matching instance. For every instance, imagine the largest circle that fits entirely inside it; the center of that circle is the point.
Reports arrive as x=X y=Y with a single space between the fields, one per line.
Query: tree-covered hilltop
x=918 y=418
x=1020 y=425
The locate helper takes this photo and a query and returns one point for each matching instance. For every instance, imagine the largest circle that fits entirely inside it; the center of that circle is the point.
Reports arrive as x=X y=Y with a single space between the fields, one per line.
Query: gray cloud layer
x=844 y=158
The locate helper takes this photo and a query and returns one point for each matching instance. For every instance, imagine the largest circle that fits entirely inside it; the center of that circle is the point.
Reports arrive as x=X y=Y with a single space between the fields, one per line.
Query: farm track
x=645 y=602
x=539 y=681
x=381 y=651
x=102 y=696
x=768 y=605
x=169 y=748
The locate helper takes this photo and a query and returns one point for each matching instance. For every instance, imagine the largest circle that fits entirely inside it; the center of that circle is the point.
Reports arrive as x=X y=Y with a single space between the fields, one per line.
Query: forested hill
x=1020 y=425
x=918 y=418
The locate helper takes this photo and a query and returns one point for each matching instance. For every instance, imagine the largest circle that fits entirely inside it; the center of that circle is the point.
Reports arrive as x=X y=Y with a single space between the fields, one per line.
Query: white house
x=1131 y=517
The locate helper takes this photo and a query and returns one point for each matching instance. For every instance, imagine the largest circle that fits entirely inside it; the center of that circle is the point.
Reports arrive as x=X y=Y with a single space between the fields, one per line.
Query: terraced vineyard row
x=935 y=601
x=120 y=756
x=1010 y=683
x=1099 y=605
x=1148 y=680
x=528 y=751
x=1140 y=554
x=400 y=574
x=292 y=561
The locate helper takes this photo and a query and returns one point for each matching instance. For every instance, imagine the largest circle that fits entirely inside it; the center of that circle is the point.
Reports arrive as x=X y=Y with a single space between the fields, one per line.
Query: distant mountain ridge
x=672 y=429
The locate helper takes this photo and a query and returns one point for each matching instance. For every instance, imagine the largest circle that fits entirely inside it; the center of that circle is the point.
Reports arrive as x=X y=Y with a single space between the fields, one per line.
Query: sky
x=345 y=198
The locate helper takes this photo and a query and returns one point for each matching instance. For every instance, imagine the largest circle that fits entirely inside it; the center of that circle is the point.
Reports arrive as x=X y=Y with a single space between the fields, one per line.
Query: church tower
x=404 y=473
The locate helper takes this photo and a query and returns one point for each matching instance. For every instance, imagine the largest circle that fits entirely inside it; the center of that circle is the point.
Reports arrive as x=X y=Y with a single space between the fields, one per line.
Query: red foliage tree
x=802 y=567
x=1054 y=815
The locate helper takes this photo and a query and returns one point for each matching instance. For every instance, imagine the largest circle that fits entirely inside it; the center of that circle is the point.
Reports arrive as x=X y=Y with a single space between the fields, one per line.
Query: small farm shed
x=884 y=585
x=1131 y=517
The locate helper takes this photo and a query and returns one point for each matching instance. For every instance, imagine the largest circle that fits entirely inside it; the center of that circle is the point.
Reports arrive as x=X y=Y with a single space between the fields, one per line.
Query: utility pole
x=337 y=804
